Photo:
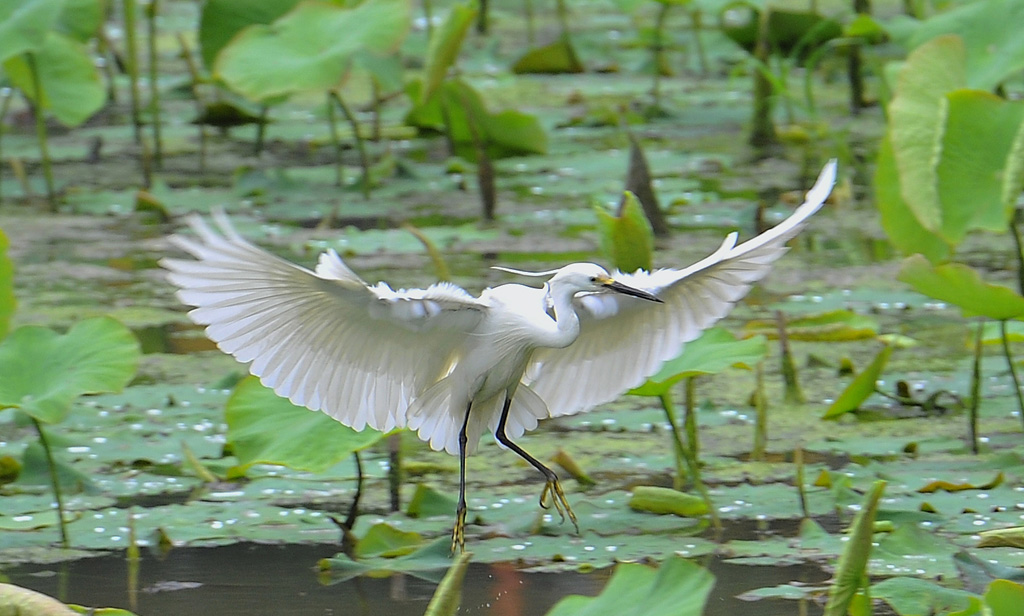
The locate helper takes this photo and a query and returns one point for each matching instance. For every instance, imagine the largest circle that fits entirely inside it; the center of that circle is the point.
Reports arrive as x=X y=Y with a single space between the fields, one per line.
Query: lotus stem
x=336 y=142
x=761 y=421
x=798 y=461
x=677 y=440
x=154 y=91
x=1015 y=234
x=261 y=130
x=690 y=417
x=972 y=426
x=364 y=158
x=658 y=52
x=395 y=470
x=1013 y=369
x=5 y=103
x=55 y=482
x=44 y=149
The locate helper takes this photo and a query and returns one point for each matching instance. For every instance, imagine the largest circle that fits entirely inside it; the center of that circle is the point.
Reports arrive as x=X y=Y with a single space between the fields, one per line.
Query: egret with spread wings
x=450 y=365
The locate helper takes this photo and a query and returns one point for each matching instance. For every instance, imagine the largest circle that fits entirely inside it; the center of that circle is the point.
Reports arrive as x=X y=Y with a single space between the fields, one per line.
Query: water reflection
x=257 y=580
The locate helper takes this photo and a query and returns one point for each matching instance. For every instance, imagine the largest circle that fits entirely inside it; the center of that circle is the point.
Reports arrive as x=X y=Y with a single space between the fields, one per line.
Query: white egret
x=447 y=364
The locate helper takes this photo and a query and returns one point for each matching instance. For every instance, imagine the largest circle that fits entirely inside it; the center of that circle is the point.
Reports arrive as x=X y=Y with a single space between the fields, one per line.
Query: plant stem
x=481 y=17
x=690 y=416
x=154 y=90
x=972 y=426
x=348 y=540
x=44 y=149
x=353 y=511
x=762 y=134
x=133 y=558
x=5 y=103
x=55 y=482
x=193 y=71
x=684 y=452
x=761 y=422
x=378 y=132
x=798 y=461
x=364 y=158
x=132 y=65
x=677 y=440
x=563 y=18
x=1013 y=369
x=658 y=51
x=794 y=395
x=428 y=14
x=261 y=130
x=335 y=141
x=531 y=36
x=395 y=470
x=1015 y=234
x=697 y=17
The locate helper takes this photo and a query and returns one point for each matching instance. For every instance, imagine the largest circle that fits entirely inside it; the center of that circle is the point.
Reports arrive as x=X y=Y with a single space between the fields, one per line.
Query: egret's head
x=594 y=278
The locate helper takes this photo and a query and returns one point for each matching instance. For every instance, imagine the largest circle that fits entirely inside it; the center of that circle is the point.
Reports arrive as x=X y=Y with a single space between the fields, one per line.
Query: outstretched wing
x=324 y=339
x=623 y=340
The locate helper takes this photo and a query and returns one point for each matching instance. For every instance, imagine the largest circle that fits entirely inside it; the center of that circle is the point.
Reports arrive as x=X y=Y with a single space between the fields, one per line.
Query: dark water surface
x=257 y=580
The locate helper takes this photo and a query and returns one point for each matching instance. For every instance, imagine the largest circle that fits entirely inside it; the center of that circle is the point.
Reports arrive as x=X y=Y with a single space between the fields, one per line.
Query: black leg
x=551 y=486
x=459 y=533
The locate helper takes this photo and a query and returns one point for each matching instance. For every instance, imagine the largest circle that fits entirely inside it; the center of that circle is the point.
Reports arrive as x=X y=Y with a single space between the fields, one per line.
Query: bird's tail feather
x=437 y=418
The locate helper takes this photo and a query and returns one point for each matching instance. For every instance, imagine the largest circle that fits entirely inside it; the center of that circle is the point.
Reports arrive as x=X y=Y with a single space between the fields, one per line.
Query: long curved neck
x=567 y=323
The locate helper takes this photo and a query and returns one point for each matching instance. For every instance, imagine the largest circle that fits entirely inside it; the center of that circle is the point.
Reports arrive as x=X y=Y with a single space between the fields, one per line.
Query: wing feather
x=323 y=339
x=623 y=340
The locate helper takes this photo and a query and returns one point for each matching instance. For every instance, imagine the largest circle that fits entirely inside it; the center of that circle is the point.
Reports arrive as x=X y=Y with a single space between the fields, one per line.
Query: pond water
x=257 y=580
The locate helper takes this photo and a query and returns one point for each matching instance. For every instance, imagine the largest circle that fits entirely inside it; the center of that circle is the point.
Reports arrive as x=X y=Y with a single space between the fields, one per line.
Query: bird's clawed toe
x=553 y=489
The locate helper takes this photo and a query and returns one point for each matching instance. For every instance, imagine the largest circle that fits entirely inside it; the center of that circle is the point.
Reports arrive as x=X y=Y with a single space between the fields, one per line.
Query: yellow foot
x=459 y=533
x=553 y=489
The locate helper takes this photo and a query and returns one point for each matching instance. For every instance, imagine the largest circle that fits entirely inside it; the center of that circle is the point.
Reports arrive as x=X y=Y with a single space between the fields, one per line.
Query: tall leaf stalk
x=5 y=104
x=154 y=90
x=55 y=482
x=364 y=158
x=44 y=149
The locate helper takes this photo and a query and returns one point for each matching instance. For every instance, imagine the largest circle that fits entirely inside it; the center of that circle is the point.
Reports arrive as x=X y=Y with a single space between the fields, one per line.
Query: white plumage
x=372 y=356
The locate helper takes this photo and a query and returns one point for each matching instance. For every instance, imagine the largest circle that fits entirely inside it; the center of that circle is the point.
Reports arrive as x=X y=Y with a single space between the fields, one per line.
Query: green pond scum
x=124 y=431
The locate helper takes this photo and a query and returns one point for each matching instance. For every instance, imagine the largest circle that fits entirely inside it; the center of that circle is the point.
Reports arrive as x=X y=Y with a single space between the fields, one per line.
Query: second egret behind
x=447 y=364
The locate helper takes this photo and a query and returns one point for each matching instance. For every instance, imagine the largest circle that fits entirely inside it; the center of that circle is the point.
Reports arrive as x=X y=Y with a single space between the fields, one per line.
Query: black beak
x=627 y=290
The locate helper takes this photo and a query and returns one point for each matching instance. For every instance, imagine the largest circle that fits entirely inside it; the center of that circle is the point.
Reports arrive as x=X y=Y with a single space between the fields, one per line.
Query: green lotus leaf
x=713 y=352
x=444 y=47
x=221 y=20
x=917 y=114
x=677 y=588
x=265 y=428
x=45 y=371
x=958 y=284
x=70 y=84
x=310 y=48
x=991 y=35
x=862 y=386
x=627 y=239
x=24 y=25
